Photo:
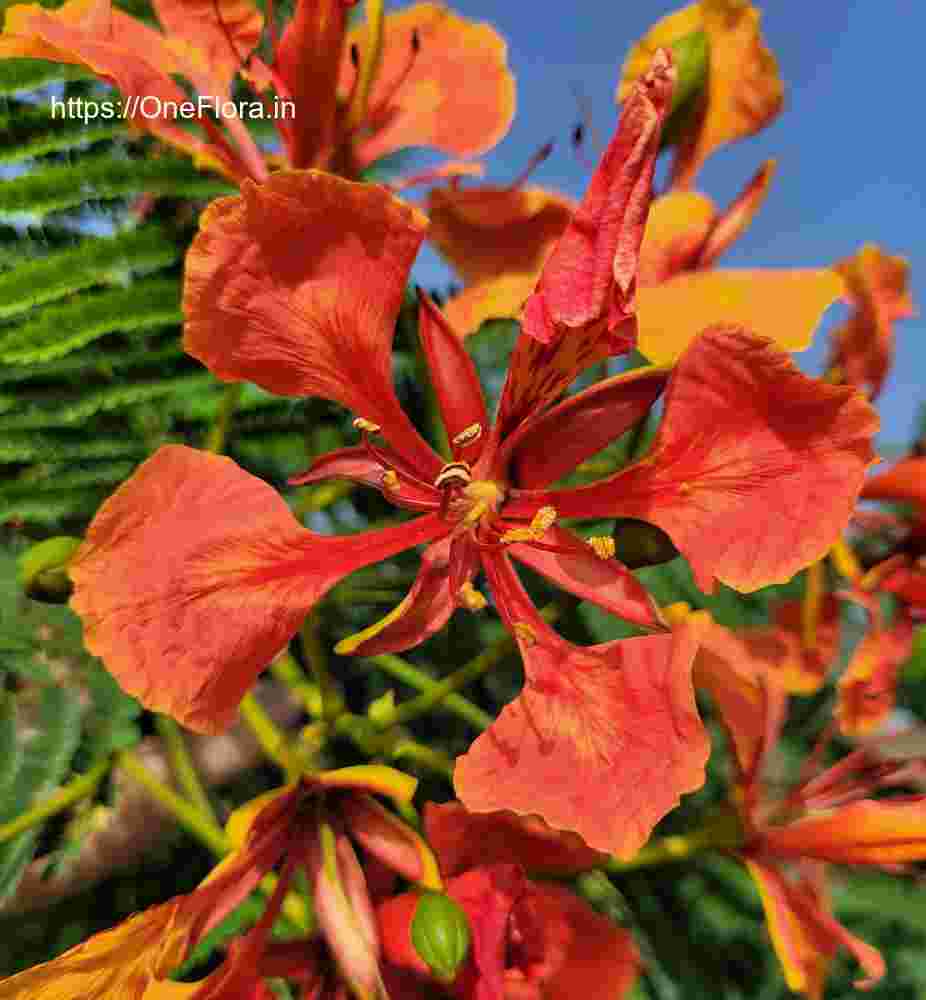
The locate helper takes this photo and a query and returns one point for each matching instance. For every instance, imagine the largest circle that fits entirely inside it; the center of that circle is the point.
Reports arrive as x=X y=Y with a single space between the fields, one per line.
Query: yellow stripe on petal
x=376 y=778
x=784 y=305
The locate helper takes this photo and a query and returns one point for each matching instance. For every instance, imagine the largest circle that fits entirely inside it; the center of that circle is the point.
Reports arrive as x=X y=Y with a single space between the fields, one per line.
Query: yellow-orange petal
x=743 y=91
x=870 y=832
x=129 y=962
x=878 y=286
x=454 y=93
x=194 y=574
x=296 y=285
x=784 y=305
x=677 y=226
x=868 y=688
x=487 y=231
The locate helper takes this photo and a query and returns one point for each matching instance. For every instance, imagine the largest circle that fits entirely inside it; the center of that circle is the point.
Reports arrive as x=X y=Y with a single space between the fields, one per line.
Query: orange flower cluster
x=754 y=475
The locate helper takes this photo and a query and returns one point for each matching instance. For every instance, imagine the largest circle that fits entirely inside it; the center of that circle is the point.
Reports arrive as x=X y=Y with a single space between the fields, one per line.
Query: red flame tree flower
x=296 y=285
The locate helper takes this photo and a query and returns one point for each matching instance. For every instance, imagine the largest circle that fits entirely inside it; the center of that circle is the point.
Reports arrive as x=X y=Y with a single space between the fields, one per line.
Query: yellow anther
x=539 y=526
x=454 y=472
x=367 y=426
x=468 y=435
x=470 y=598
x=524 y=633
x=845 y=562
x=602 y=545
x=391 y=481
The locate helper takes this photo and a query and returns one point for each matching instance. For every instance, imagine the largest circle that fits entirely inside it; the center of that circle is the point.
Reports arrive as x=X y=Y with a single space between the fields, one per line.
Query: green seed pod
x=639 y=543
x=43 y=570
x=440 y=934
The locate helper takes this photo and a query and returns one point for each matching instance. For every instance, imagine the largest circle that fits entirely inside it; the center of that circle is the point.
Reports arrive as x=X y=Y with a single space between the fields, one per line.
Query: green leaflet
x=56 y=188
x=17 y=75
x=60 y=329
x=46 y=754
x=91 y=262
x=28 y=130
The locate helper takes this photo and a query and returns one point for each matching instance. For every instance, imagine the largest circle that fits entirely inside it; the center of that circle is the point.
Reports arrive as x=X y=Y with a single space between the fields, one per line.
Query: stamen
x=391 y=481
x=539 y=526
x=602 y=545
x=387 y=98
x=454 y=472
x=470 y=598
x=542 y=154
x=524 y=633
x=367 y=426
x=467 y=436
x=354 y=55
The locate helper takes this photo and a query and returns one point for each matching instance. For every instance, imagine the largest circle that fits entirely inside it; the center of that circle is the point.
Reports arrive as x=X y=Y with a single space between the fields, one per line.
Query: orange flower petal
x=425 y=609
x=862 y=833
x=579 y=311
x=868 y=688
x=195 y=574
x=455 y=93
x=904 y=482
x=785 y=306
x=222 y=32
x=803 y=669
x=498 y=240
x=879 y=289
x=296 y=285
x=677 y=226
x=736 y=218
x=464 y=840
x=599 y=961
x=743 y=91
x=602 y=740
x=307 y=61
x=121 y=50
x=755 y=469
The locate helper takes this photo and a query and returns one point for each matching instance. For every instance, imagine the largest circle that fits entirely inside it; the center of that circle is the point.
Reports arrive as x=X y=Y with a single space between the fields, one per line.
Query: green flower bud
x=440 y=934
x=691 y=54
x=639 y=543
x=43 y=570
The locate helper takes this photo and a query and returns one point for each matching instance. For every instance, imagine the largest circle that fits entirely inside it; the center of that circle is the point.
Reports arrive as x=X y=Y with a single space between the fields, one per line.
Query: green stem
x=270 y=737
x=721 y=832
x=317 y=658
x=443 y=692
x=434 y=759
x=66 y=796
x=182 y=763
x=215 y=439
x=438 y=692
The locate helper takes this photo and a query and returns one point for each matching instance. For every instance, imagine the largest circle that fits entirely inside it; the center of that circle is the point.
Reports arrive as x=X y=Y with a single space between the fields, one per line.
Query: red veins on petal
x=754 y=471
x=296 y=284
x=602 y=740
x=195 y=574
x=463 y=840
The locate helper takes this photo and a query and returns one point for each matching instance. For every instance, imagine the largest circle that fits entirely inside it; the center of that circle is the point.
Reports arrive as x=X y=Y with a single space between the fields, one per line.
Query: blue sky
x=850 y=143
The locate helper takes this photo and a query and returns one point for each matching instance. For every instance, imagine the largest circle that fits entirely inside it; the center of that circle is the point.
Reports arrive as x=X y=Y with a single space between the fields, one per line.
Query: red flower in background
x=530 y=940
x=827 y=816
x=296 y=285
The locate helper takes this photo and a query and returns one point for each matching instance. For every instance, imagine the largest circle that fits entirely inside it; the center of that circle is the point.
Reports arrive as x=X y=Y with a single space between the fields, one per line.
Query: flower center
x=468 y=501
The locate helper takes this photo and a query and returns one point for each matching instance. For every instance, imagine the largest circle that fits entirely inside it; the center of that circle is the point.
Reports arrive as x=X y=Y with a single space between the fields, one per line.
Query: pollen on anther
x=391 y=481
x=454 y=472
x=468 y=435
x=540 y=524
x=367 y=426
x=524 y=633
x=470 y=598
x=602 y=545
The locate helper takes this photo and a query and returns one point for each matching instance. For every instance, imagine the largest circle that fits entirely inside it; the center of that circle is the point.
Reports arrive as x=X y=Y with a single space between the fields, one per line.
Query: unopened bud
x=43 y=570
x=639 y=543
x=440 y=934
